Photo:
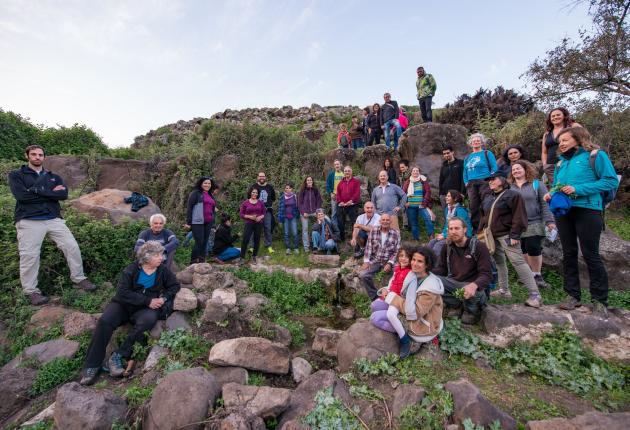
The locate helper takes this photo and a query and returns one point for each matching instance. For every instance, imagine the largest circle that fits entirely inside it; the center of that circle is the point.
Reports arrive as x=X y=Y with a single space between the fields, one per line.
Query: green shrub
x=330 y=413
x=136 y=395
x=184 y=346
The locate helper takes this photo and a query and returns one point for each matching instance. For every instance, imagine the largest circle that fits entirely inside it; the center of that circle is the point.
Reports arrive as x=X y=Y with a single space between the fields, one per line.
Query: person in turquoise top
x=478 y=165
x=583 y=223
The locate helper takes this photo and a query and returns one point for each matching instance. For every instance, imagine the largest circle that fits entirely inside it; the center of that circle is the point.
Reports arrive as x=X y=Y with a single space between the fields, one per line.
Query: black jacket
x=452 y=177
x=389 y=111
x=34 y=193
x=130 y=293
x=223 y=239
x=266 y=193
x=374 y=121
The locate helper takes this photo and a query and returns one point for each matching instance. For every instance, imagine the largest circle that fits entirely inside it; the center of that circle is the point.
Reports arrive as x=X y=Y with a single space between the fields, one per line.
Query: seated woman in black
x=146 y=292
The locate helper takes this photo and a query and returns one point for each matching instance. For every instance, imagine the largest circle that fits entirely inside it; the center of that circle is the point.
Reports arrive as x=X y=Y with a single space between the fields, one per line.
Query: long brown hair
x=568 y=121
x=581 y=136
x=531 y=172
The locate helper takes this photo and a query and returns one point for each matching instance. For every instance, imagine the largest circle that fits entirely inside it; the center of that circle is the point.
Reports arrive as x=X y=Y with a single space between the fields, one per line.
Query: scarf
x=410 y=188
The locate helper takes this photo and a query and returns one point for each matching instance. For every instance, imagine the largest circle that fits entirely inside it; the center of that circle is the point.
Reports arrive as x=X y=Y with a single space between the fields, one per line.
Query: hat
x=497 y=174
x=560 y=204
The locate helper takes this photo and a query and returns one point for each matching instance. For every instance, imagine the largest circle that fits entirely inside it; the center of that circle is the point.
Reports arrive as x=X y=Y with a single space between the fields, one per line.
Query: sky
x=125 y=67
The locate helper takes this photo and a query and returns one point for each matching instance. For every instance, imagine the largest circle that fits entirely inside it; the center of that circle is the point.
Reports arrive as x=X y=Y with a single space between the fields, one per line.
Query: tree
x=599 y=63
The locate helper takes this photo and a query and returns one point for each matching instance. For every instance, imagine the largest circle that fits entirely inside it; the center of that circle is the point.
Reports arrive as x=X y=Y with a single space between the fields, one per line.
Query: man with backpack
x=389 y=119
x=464 y=263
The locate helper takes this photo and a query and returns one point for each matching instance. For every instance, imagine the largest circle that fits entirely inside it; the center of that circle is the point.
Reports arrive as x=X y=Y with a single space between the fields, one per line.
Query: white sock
x=392 y=316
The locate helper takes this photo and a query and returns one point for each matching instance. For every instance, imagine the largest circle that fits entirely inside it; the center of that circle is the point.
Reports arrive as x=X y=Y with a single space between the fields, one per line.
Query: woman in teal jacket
x=583 y=222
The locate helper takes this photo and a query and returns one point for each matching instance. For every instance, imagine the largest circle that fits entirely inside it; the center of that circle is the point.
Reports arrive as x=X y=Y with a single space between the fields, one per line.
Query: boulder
x=123 y=174
x=468 y=402
x=44 y=415
x=15 y=385
x=327 y=276
x=373 y=158
x=406 y=395
x=83 y=408
x=185 y=276
x=225 y=296
x=45 y=352
x=250 y=303
x=225 y=375
x=214 y=312
x=157 y=330
x=201 y=268
x=212 y=280
x=156 y=353
x=363 y=340
x=178 y=320
x=324 y=260
x=47 y=316
x=239 y=421
x=224 y=168
x=109 y=204
x=265 y=402
x=347 y=314
x=301 y=369
x=185 y=300
x=282 y=335
x=422 y=146
x=253 y=353
x=189 y=393
x=74 y=170
x=326 y=341
x=588 y=421
x=77 y=323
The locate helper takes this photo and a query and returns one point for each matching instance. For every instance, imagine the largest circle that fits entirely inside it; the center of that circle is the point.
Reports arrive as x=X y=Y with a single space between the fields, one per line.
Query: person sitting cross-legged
x=145 y=294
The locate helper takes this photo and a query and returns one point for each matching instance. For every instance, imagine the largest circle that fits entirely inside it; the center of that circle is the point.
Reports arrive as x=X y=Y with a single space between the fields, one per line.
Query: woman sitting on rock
x=145 y=293
x=419 y=303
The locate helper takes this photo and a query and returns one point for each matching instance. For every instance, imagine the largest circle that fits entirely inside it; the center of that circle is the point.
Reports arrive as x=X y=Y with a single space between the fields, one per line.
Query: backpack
x=343 y=140
x=608 y=195
x=472 y=246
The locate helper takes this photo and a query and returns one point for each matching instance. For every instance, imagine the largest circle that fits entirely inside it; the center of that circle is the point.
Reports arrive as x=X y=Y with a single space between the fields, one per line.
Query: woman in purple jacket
x=252 y=211
x=309 y=199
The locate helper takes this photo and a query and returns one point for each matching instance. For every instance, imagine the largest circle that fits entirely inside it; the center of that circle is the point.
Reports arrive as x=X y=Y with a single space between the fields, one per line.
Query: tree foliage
x=599 y=62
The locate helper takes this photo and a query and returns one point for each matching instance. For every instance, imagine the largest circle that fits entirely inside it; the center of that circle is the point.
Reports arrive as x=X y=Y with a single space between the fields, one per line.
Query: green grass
x=619 y=222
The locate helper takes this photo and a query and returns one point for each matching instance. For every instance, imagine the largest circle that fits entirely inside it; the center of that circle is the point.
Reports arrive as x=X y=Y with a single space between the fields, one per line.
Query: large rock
x=301 y=369
x=225 y=375
x=224 y=168
x=44 y=415
x=214 y=312
x=181 y=399
x=265 y=402
x=178 y=320
x=422 y=146
x=45 y=352
x=225 y=296
x=254 y=353
x=346 y=156
x=74 y=170
x=250 y=303
x=373 y=158
x=363 y=340
x=77 y=323
x=46 y=317
x=406 y=395
x=588 y=421
x=324 y=260
x=615 y=253
x=123 y=174
x=109 y=204
x=15 y=385
x=326 y=276
x=185 y=300
x=212 y=280
x=468 y=402
x=154 y=356
x=82 y=408
x=326 y=340
x=239 y=421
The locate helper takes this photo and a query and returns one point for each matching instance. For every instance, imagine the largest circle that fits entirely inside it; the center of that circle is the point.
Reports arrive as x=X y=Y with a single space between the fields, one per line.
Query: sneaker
x=405 y=346
x=89 y=376
x=501 y=293
x=534 y=301
x=296 y=251
x=85 y=285
x=114 y=363
x=540 y=282
x=469 y=318
x=288 y=251
x=569 y=303
x=599 y=310
x=270 y=250
x=38 y=299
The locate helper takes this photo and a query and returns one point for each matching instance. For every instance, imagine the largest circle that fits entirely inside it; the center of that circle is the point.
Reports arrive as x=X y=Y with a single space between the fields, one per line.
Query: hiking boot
x=469 y=318
x=85 y=285
x=288 y=252
x=569 y=303
x=405 y=346
x=599 y=310
x=270 y=250
x=540 y=282
x=501 y=293
x=89 y=376
x=534 y=301
x=114 y=363
x=38 y=299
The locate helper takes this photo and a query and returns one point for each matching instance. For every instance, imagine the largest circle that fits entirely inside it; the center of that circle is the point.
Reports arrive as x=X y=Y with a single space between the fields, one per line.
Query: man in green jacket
x=425 y=84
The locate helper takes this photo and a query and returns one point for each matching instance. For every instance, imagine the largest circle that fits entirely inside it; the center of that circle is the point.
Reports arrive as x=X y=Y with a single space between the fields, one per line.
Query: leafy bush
x=184 y=346
x=136 y=395
x=432 y=413
x=53 y=373
x=330 y=413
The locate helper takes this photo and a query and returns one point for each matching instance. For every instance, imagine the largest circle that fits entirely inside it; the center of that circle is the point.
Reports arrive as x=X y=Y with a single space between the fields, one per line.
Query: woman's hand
x=259 y=218
x=547 y=197
x=186 y=226
x=568 y=190
x=156 y=303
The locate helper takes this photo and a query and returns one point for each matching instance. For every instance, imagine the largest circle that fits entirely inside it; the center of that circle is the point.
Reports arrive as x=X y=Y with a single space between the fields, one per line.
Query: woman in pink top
x=253 y=213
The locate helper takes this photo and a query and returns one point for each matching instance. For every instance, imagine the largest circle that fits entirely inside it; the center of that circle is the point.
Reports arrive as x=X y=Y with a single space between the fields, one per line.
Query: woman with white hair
x=157 y=233
x=478 y=165
x=146 y=291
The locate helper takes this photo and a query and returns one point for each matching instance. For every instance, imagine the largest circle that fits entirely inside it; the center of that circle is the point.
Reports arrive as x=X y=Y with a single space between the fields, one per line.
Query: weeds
x=330 y=413
x=184 y=346
x=136 y=395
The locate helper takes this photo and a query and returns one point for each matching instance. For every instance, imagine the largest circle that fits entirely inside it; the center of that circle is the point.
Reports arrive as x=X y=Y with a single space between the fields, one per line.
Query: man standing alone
x=37 y=213
x=425 y=84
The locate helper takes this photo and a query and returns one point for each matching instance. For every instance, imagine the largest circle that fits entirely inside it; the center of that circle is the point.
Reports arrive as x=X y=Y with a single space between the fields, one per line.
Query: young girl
x=343 y=137
x=288 y=215
x=379 y=307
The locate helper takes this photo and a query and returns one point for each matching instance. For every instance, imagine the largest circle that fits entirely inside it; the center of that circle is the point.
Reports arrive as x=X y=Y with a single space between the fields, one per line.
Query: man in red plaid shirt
x=380 y=254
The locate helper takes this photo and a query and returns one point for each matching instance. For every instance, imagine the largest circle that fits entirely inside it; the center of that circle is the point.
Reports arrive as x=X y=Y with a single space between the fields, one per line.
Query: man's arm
x=171 y=242
x=21 y=193
x=52 y=189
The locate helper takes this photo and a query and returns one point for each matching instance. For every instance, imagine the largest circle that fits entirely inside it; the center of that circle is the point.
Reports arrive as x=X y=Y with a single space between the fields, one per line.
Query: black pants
x=249 y=230
x=201 y=233
x=583 y=226
x=115 y=315
x=475 y=189
x=473 y=305
x=344 y=212
x=425 y=109
x=374 y=138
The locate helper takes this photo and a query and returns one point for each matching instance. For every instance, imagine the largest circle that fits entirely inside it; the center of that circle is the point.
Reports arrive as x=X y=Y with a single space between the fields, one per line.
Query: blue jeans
x=305 y=239
x=290 y=227
x=229 y=254
x=358 y=143
x=413 y=212
x=389 y=124
x=321 y=243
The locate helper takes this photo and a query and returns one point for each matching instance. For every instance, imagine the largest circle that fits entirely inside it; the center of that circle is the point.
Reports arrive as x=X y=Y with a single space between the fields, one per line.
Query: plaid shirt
x=375 y=253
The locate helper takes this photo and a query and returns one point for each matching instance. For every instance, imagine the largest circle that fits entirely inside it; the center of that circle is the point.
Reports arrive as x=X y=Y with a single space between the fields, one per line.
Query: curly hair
x=427 y=253
x=149 y=250
x=531 y=172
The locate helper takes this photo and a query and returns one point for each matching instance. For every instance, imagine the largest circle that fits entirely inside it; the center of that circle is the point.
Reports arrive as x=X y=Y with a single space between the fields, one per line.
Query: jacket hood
x=432 y=284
